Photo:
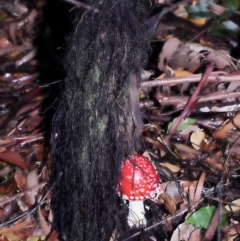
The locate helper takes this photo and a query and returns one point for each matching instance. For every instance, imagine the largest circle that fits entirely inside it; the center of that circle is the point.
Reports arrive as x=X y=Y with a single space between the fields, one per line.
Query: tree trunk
x=97 y=122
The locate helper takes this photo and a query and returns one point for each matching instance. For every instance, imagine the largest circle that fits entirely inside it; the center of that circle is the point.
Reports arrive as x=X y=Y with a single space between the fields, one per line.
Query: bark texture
x=97 y=121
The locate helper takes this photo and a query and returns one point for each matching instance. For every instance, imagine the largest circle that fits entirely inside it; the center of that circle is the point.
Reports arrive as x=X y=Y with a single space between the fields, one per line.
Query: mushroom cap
x=138 y=179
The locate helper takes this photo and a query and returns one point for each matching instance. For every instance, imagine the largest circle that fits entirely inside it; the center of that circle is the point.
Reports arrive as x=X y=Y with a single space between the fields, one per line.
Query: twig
x=26 y=77
x=192 y=100
x=214 y=77
x=4 y=201
x=180 y=101
x=27 y=213
x=20 y=48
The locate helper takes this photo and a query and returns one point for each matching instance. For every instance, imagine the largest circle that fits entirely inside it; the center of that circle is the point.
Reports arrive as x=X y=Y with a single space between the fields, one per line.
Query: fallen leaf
x=168 y=49
x=202 y=217
x=13 y=158
x=198 y=191
x=226 y=126
x=182 y=232
x=197 y=138
x=15 y=228
x=46 y=227
x=198 y=21
x=32 y=180
x=171 y=167
x=174 y=191
x=20 y=178
x=234 y=207
x=195 y=235
x=169 y=203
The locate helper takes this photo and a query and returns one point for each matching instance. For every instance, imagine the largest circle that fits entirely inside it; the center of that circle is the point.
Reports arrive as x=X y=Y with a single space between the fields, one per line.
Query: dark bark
x=97 y=122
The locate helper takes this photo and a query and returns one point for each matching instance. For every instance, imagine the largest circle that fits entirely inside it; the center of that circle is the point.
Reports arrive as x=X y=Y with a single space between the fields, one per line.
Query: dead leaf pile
x=190 y=101
x=192 y=136
x=24 y=149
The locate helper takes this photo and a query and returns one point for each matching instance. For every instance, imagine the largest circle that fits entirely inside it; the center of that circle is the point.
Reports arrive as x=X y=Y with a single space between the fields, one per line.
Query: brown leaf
x=168 y=49
x=169 y=203
x=46 y=227
x=32 y=180
x=4 y=42
x=227 y=126
x=13 y=158
x=199 y=188
x=182 y=232
x=215 y=161
x=219 y=58
x=170 y=166
x=20 y=178
x=53 y=236
x=195 y=235
x=15 y=228
x=186 y=152
x=185 y=58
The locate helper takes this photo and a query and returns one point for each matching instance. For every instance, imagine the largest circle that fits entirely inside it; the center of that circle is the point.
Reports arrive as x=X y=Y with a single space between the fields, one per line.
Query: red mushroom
x=138 y=181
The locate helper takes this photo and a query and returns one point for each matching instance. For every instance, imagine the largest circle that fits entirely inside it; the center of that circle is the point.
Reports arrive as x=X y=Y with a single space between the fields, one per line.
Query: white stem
x=136 y=213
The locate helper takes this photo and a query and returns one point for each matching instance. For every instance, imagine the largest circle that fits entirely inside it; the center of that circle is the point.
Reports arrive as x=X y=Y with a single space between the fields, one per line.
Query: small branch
x=25 y=78
x=29 y=212
x=180 y=101
x=214 y=77
x=192 y=100
x=4 y=201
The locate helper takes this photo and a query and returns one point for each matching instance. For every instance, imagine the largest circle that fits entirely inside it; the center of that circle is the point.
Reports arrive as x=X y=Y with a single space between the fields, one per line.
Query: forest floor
x=189 y=98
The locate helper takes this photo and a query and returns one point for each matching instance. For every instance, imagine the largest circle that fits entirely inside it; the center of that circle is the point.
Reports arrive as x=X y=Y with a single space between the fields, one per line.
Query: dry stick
x=26 y=58
x=191 y=79
x=4 y=201
x=192 y=100
x=180 y=101
x=29 y=212
x=21 y=48
x=198 y=35
x=198 y=191
x=26 y=77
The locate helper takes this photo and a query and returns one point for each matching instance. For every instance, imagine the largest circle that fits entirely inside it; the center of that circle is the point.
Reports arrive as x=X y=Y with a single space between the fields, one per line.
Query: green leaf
x=202 y=217
x=226 y=27
x=225 y=15
x=232 y=5
x=184 y=125
x=200 y=9
x=229 y=25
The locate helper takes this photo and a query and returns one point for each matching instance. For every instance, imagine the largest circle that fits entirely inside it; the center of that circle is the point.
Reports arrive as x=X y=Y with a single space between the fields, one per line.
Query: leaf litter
x=24 y=124
x=197 y=156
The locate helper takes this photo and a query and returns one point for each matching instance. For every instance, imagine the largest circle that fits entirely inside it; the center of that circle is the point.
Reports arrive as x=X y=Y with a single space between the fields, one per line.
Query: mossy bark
x=97 y=122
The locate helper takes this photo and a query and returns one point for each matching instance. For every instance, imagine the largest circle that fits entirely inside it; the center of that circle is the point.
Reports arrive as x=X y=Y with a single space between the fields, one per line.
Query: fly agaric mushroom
x=138 y=181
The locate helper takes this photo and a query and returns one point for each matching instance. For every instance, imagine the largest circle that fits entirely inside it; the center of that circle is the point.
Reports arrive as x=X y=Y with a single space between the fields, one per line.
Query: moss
x=94 y=119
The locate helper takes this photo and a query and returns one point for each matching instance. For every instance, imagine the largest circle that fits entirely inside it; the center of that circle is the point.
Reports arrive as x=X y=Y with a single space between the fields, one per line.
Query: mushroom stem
x=136 y=214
